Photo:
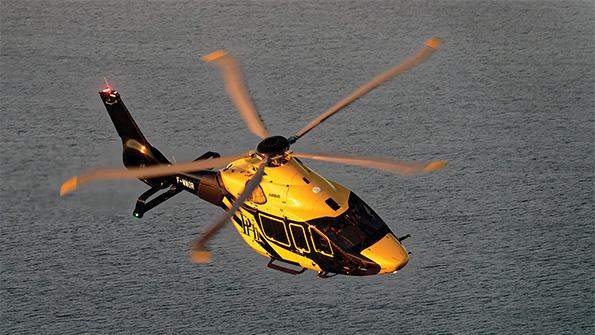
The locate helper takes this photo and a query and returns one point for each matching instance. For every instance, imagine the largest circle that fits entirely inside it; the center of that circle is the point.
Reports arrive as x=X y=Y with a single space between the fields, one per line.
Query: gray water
x=502 y=240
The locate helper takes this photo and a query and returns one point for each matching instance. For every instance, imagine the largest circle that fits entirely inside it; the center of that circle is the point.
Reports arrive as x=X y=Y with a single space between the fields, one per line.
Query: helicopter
x=282 y=209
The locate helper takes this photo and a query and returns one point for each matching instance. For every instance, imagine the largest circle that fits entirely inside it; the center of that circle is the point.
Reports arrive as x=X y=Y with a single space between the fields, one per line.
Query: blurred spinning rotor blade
x=199 y=253
x=143 y=172
x=401 y=168
x=234 y=83
x=419 y=57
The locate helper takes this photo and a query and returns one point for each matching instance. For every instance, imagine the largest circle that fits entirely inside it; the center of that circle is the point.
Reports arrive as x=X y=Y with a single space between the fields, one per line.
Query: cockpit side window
x=357 y=228
x=345 y=233
x=321 y=243
x=359 y=211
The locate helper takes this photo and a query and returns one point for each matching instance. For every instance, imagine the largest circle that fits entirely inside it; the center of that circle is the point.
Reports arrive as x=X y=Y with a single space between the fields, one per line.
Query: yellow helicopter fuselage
x=299 y=217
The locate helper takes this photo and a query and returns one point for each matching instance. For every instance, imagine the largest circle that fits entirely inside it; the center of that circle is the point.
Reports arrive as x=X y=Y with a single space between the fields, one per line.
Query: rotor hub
x=272 y=146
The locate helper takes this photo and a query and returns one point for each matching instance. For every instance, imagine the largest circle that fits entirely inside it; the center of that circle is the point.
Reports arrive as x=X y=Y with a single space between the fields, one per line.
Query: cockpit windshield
x=357 y=228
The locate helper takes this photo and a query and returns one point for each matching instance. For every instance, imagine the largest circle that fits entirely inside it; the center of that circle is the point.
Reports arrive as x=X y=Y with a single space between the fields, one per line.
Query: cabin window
x=274 y=230
x=321 y=243
x=298 y=233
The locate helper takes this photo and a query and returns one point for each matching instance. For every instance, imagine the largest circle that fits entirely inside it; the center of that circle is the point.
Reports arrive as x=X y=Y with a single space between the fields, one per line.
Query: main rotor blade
x=401 y=168
x=143 y=172
x=199 y=253
x=419 y=57
x=235 y=88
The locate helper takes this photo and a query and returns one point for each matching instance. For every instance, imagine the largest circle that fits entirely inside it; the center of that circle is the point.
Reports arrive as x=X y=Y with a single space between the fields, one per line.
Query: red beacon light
x=108 y=88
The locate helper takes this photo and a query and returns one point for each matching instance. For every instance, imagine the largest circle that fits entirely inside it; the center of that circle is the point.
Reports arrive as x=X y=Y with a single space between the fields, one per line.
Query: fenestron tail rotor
x=236 y=89
x=402 y=168
x=417 y=58
x=75 y=182
x=199 y=253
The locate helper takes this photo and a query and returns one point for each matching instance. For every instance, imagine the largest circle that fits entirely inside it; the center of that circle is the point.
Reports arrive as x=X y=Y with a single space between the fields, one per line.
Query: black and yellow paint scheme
x=281 y=208
x=310 y=221
x=295 y=215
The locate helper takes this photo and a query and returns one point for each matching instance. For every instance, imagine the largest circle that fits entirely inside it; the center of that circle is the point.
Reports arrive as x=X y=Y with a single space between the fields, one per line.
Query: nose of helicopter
x=389 y=253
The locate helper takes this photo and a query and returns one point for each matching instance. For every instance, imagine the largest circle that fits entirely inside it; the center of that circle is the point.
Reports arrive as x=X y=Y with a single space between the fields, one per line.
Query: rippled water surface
x=502 y=240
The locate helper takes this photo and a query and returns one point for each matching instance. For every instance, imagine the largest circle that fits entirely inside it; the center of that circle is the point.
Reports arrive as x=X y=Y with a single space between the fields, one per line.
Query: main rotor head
x=273 y=146
x=275 y=149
